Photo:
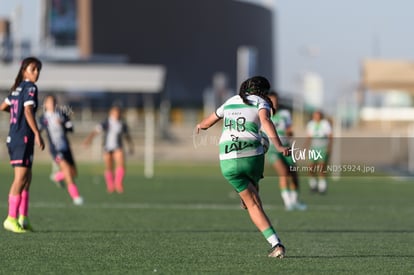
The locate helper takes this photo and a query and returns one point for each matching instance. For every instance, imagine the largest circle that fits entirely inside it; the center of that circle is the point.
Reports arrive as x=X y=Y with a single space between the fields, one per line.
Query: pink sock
x=73 y=191
x=14 y=202
x=109 y=178
x=119 y=178
x=24 y=203
x=59 y=176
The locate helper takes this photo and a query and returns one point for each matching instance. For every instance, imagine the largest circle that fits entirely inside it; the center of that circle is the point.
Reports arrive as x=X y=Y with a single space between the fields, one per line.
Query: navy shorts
x=66 y=155
x=21 y=154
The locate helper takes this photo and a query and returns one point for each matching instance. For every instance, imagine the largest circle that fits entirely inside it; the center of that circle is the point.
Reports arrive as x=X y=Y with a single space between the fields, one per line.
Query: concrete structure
x=193 y=39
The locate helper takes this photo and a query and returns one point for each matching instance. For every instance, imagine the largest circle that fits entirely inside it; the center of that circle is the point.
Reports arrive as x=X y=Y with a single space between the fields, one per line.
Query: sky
x=340 y=34
x=328 y=37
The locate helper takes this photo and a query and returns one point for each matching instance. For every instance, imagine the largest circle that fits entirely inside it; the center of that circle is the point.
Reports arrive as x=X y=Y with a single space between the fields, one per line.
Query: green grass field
x=187 y=220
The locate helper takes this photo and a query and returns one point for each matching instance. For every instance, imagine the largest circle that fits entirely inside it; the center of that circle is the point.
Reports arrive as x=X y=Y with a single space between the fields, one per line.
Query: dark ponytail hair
x=274 y=94
x=257 y=85
x=25 y=63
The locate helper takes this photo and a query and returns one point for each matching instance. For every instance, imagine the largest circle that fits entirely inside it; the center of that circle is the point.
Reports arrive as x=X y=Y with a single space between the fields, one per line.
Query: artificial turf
x=187 y=220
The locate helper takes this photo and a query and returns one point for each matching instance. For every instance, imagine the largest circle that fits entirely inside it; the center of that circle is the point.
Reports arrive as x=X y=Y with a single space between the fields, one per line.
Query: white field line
x=160 y=206
x=175 y=206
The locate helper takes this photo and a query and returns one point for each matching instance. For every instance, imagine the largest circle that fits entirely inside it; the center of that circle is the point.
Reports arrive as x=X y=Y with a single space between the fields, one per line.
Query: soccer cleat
x=119 y=188
x=12 y=225
x=300 y=206
x=78 y=201
x=110 y=189
x=277 y=251
x=313 y=190
x=296 y=206
x=24 y=223
x=290 y=207
x=59 y=183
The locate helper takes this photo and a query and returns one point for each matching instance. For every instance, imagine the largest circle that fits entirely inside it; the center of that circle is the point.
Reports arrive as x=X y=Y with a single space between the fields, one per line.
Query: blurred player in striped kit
x=319 y=139
x=57 y=124
x=115 y=130
x=288 y=178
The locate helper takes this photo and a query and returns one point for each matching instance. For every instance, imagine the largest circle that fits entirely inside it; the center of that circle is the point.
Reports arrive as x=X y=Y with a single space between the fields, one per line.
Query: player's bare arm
x=28 y=113
x=90 y=137
x=270 y=130
x=5 y=107
x=130 y=143
x=208 y=122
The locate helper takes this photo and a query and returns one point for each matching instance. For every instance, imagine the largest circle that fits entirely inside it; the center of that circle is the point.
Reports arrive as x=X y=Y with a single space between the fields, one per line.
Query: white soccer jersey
x=319 y=132
x=113 y=130
x=53 y=122
x=241 y=127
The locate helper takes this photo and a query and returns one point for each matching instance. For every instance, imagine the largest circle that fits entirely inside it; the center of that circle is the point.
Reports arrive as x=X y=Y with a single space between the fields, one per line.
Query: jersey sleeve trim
x=29 y=102
x=218 y=114
x=220 y=111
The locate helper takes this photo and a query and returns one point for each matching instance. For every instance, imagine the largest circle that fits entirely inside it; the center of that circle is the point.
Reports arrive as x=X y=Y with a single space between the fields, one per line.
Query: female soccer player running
x=57 y=124
x=288 y=177
x=241 y=152
x=115 y=129
x=22 y=104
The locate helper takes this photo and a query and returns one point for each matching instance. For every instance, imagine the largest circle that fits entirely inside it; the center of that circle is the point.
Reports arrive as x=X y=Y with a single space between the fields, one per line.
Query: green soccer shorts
x=239 y=172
